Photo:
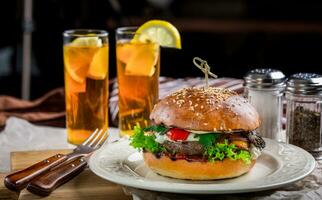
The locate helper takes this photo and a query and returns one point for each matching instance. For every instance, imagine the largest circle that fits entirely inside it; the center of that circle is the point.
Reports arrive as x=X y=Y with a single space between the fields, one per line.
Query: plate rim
x=182 y=187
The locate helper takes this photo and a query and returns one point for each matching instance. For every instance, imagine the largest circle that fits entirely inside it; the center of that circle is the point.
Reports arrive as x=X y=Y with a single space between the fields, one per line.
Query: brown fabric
x=51 y=106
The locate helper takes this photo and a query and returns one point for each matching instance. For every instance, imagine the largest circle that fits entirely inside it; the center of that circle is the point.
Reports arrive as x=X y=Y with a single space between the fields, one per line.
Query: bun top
x=209 y=110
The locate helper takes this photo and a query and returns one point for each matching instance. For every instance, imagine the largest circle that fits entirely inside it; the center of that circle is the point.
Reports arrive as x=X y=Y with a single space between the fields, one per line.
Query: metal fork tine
x=90 y=137
x=95 y=139
x=103 y=138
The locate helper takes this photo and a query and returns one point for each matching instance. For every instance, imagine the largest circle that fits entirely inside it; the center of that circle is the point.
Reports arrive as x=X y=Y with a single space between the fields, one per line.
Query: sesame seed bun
x=183 y=169
x=208 y=110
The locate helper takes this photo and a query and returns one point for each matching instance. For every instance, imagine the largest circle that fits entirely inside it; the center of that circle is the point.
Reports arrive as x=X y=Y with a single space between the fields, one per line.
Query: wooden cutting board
x=85 y=186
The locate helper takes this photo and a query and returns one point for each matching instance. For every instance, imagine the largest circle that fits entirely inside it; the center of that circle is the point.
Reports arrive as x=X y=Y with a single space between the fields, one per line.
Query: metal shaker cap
x=305 y=83
x=264 y=78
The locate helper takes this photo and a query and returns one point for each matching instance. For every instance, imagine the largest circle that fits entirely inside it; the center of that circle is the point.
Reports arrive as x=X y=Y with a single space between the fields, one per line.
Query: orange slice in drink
x=99 y=66
x=78 y=55
x=124 y=51
x=77 y=61
x=142 y=60
x=74 y=86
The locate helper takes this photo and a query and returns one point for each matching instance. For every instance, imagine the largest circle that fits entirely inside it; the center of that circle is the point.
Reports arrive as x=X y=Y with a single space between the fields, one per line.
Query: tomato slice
x=177 y=134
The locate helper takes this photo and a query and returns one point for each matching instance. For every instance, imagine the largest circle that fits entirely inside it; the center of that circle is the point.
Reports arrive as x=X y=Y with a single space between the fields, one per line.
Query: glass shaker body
x=303 y=128
x=264 y=88
x=268 y=103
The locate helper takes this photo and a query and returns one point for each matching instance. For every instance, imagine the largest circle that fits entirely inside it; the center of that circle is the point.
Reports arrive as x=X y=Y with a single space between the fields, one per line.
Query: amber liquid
x=138 y=85
x=86 y=91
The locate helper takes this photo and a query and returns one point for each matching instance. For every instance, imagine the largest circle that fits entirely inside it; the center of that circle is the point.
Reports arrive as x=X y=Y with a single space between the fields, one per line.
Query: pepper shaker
x=303 y=112
x=264 y=89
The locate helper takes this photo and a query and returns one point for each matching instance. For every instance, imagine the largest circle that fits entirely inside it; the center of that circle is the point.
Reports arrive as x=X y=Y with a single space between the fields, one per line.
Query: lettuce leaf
x=141 y=141
x=212 y=150
x=219 y=151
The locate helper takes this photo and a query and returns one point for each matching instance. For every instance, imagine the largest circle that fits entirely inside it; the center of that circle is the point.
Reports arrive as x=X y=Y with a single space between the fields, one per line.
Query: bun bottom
x=183 y=169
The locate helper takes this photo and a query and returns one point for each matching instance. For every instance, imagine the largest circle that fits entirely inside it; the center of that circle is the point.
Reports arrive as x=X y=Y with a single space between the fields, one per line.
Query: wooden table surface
x=85 y=186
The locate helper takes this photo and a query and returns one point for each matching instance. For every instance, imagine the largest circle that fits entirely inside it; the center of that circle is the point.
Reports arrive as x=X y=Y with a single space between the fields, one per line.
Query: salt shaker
x=264 y=88
x=303 y=112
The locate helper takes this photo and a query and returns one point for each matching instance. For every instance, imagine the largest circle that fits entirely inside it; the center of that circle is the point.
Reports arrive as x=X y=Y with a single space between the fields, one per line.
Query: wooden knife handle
x=45 y=184
x=18 y=180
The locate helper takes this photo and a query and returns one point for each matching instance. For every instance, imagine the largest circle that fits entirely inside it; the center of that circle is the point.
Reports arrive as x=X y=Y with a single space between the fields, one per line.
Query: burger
x=201 y=134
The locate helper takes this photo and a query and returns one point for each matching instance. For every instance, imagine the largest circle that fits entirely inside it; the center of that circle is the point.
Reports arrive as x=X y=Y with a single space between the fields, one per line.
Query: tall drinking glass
x=86 y=82
x=138 y=68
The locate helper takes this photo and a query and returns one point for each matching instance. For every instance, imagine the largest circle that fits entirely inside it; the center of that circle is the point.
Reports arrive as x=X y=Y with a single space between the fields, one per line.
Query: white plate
x=279 y=165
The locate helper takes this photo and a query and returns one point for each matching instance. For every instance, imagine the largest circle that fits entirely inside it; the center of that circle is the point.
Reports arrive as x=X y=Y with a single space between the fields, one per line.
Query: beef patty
x=195 y=148
x=186 y=148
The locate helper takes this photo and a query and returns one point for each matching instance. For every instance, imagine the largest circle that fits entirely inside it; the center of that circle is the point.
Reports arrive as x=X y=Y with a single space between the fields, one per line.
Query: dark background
x=232 y=35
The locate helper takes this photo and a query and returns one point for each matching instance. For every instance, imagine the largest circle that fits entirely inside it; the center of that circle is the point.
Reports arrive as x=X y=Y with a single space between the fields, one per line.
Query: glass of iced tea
x=138 y=68
x=86 y=82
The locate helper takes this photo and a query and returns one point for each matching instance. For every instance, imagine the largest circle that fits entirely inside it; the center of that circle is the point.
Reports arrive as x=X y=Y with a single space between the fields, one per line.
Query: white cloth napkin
x=20 y=135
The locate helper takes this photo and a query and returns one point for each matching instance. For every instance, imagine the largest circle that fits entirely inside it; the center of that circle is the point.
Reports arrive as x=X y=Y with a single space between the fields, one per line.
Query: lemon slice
x=142 y=57
x=159 y=31
x=87 y=41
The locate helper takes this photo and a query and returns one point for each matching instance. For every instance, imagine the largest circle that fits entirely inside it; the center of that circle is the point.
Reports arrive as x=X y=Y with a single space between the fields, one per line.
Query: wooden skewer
x=204 y=67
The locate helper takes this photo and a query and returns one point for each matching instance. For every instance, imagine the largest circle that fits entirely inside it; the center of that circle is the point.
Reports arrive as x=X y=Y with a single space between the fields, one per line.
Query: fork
x=18 y=180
